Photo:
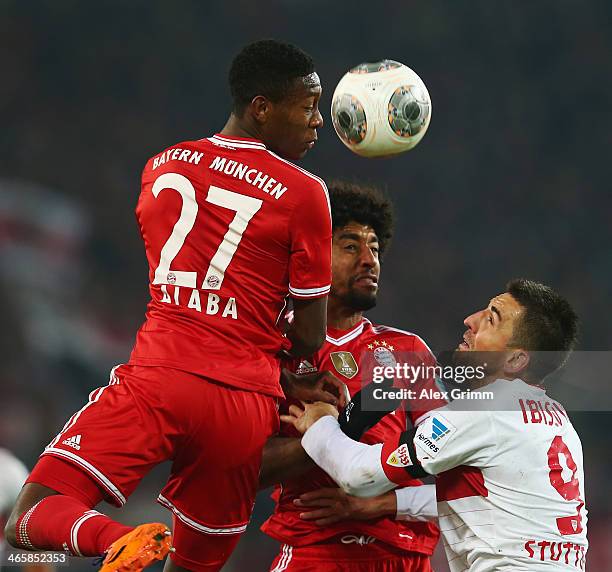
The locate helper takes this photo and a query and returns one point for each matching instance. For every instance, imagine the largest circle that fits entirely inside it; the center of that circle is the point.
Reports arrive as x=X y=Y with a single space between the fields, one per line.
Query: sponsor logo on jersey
x=431 y=442
x=74 y=442
x=305 y=367
x=427 y=444
x=400 y=457
x=345 y=363
x=354 y=539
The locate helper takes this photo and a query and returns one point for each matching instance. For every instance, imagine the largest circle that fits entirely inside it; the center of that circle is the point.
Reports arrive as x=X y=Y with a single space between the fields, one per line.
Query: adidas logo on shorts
x=74 y=442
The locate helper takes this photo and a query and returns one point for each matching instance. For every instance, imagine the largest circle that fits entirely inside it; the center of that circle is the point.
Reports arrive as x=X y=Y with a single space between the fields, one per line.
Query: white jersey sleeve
x=416 y=503
x=448 y=438
x=354 y=466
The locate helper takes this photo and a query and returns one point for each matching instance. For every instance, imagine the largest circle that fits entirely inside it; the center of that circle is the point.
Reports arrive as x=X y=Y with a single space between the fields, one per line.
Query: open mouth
x=464 y=345
x=367 y=280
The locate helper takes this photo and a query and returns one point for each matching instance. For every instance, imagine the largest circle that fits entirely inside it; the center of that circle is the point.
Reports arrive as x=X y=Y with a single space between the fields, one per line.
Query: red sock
x=62 y=522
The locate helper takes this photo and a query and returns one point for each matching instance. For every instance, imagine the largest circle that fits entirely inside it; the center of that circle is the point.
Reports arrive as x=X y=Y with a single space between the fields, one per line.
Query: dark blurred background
x=512 y=179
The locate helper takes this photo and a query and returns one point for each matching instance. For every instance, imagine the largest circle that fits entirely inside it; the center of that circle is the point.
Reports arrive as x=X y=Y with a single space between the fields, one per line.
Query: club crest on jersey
x=305 y=367
x=213 y=281
x=400 y=457
x=383 y=353
x=345 y=363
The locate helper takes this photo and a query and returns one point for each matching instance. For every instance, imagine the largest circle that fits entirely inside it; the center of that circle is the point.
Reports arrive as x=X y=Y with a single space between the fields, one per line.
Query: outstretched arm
x=330 y=505
x=354 y=466
x=445 y=439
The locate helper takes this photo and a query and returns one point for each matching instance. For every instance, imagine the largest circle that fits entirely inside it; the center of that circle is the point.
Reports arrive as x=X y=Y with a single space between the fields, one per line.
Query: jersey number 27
x=245 y=208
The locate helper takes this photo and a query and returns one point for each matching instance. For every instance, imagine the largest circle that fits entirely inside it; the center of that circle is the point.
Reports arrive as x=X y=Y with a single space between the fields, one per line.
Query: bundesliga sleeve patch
x=400 y=457
x=433 y=434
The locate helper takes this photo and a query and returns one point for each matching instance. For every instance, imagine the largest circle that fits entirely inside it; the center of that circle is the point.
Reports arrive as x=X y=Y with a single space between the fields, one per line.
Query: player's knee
x=30 y=495
x=10 y=530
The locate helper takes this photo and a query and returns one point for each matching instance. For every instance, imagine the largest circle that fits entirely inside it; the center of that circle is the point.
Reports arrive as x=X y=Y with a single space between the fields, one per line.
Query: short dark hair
x=268 y=68
x=364 y=205
x=548 y=326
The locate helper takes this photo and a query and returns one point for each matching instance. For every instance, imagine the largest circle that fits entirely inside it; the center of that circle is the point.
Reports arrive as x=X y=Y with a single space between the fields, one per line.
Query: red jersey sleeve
x=311 y=234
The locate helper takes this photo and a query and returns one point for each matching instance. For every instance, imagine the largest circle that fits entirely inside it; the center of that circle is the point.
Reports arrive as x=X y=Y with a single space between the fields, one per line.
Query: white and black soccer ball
x=380 y=109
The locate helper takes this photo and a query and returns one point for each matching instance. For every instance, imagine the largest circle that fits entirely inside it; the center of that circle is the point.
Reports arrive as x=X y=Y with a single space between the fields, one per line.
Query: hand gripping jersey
x=510 y=482
x=346 y=354
x=230 y=229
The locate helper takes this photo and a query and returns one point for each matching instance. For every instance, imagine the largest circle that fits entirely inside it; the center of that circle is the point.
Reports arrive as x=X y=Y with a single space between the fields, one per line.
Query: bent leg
x=30 y=494
x=54 y=512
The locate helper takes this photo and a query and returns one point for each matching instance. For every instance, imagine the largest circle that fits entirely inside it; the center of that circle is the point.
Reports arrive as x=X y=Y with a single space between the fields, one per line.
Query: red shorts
x=349 y=553
x=214 y=435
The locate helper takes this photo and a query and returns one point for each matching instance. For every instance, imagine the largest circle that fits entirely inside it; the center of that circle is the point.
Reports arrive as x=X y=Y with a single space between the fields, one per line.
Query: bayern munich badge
x=384 y=356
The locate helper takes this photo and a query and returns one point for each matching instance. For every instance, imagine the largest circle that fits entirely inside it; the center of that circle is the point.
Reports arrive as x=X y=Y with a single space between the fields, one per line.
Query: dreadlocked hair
x=351 y=202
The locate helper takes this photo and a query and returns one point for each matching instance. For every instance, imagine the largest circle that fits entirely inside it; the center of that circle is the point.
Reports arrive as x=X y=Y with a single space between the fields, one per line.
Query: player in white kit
x=510 y=481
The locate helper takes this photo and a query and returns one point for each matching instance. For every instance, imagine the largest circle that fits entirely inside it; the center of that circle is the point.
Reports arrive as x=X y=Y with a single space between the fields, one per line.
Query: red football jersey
x=230 y=230
x=350 y=355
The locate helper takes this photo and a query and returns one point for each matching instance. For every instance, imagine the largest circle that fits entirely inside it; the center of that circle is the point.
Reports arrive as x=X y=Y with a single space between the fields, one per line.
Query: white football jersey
x=510 y=485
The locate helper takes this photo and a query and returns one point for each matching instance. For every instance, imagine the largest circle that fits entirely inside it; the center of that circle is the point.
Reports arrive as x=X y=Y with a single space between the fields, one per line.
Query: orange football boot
x=138 y=548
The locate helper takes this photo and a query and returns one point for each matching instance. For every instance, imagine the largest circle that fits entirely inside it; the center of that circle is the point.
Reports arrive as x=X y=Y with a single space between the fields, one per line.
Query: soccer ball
x=381 y=109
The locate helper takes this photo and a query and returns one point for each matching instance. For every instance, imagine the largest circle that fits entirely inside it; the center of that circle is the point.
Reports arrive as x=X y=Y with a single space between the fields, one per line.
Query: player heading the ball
x=231 y=229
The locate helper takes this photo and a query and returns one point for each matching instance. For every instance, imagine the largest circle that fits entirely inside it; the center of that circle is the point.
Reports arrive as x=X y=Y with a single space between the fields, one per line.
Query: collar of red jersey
x=346 y=335
x=235 y=141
